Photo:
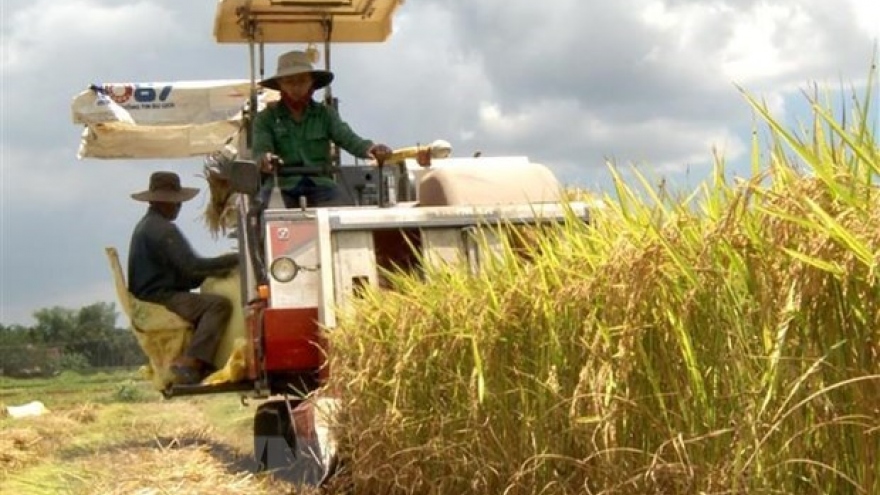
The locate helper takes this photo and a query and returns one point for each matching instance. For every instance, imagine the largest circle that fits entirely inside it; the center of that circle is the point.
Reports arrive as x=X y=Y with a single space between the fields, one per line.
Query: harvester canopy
x=161 y=119
x=303 y=21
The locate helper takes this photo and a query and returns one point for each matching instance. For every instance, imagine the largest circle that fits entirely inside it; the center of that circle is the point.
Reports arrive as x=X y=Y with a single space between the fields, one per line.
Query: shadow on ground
x=234 y=460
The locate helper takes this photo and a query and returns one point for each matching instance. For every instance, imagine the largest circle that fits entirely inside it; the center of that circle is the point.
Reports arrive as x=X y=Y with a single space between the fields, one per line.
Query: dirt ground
x=123 y=438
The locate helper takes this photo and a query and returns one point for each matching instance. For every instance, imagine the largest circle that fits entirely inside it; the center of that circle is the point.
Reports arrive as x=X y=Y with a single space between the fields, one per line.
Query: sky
x=649 y=84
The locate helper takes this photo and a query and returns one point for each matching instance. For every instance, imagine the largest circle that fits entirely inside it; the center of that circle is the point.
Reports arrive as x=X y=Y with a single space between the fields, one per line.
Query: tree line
x=67 y=339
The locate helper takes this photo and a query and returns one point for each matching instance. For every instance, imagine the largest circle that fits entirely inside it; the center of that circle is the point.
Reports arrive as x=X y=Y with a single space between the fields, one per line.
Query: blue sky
x=643 y=82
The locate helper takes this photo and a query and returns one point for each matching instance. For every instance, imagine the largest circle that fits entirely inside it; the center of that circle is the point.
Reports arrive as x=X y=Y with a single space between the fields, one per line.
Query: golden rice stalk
x=219 y=212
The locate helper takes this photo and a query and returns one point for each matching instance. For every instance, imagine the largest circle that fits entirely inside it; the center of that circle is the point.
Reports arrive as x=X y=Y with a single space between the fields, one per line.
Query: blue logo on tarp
x=134 y=95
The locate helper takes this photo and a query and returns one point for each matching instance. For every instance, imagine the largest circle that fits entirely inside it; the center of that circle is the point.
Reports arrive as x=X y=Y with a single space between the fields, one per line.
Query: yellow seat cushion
x=163 y=335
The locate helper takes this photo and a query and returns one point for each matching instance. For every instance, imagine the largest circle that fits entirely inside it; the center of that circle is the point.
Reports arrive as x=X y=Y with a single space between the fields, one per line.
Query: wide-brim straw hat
x=293 y=63
x=165 y=188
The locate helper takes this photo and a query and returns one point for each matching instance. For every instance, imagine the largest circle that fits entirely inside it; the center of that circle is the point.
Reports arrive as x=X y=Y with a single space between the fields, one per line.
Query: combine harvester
x=301 y=268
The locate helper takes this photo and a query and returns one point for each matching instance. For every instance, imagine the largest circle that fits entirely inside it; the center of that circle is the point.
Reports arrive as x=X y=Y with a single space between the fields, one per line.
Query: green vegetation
x=724 y=341
x=67 y=339
x=70 y=389
x=110 y=433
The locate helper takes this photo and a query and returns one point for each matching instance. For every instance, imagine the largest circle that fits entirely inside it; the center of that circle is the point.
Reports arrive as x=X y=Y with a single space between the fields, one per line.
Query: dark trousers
x=316 y=195
x=209 y=314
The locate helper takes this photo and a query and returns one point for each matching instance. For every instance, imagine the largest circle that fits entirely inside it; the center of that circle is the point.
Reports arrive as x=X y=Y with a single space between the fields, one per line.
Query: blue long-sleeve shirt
x=162 y=262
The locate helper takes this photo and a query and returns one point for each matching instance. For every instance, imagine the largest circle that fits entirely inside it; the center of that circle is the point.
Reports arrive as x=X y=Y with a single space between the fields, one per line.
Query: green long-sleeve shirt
x=305 y=143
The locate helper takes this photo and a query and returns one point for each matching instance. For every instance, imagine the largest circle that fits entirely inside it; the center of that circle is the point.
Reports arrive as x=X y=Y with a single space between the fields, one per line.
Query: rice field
x=110 y=434
x=716 y=341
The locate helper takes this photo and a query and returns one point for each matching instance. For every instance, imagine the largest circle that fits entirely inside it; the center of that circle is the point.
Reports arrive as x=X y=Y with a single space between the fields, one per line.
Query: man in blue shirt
x=163 y=268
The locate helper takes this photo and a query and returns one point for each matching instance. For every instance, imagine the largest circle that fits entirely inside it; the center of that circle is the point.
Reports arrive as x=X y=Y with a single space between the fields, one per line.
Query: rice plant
x=724 y=341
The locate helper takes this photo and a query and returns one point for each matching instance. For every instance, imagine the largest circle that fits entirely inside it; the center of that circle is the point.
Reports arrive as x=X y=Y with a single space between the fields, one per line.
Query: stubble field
x=109 y=433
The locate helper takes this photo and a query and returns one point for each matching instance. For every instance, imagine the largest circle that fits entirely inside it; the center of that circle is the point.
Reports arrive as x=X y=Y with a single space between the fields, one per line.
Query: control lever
x=380 y=165
x=386 y=193
x=276 y=200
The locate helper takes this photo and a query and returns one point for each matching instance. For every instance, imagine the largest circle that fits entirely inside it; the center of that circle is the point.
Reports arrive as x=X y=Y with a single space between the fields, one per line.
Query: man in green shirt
x=292 y=137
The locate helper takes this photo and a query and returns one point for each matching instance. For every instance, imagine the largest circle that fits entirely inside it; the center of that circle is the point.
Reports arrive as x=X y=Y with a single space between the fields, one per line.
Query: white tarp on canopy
x=160 y=120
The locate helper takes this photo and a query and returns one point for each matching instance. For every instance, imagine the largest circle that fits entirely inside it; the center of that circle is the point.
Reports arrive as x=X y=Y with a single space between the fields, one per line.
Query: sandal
x=185 y=375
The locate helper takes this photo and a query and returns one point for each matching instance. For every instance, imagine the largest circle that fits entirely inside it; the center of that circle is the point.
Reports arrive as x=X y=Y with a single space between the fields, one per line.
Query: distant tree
x=14 y=335
x=65 y=338
x=13 y=342
x=23 y=353
x=93 y=332
x=54 y=325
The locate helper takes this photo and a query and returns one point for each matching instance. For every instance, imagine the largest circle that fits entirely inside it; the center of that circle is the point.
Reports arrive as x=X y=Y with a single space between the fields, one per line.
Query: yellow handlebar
x=437 y=149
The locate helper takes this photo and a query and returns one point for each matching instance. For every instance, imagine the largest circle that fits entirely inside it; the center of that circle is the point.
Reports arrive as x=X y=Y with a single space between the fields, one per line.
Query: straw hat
x=297 y=62
x=165 y=188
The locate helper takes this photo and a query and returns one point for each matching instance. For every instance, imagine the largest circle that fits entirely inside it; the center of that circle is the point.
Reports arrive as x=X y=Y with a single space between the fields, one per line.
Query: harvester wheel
x=274 y=440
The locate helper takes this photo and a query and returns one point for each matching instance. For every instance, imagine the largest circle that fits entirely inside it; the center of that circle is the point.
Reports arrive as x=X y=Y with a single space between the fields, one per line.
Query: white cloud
x=417 y=87
x=665 y=143
x=40 y=35
x=649 y=82
x=37 y=177
x=55 y=180
x=760 y=49
x=867 y=16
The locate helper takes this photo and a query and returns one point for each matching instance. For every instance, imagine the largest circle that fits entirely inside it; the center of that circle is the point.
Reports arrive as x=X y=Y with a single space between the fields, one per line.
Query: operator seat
x=161 y=334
